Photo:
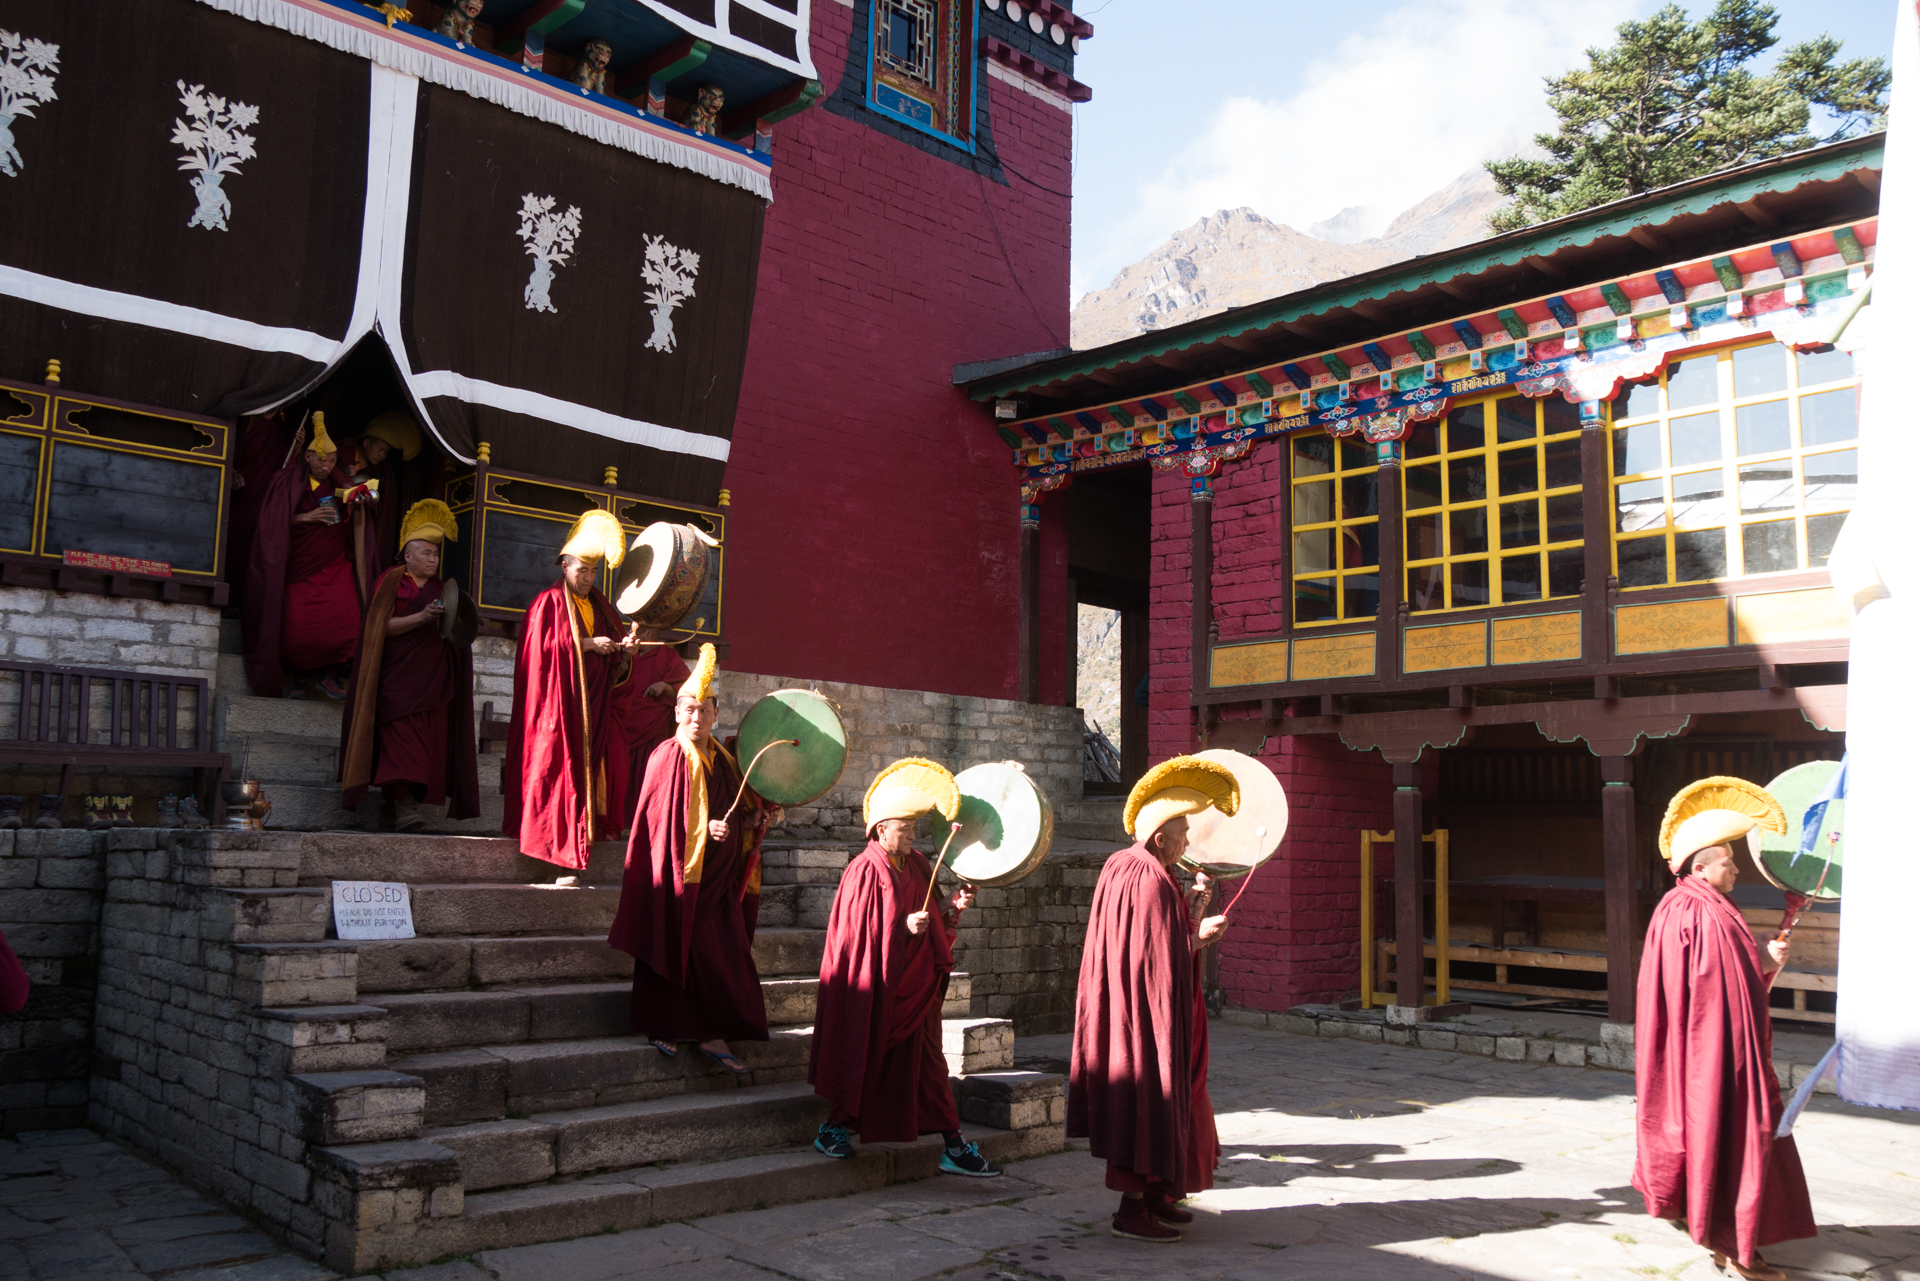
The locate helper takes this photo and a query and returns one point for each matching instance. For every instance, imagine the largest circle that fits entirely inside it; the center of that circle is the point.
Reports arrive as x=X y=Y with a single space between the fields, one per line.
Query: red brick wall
x=875 y=533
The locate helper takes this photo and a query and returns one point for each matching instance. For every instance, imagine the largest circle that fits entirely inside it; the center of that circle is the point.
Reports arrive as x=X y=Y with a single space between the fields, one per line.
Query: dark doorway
x=1109 y=519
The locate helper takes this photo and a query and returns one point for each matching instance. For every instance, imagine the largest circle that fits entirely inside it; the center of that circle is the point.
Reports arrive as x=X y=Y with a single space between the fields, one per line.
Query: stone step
x=308 y=761
x=285 y=719
x=459 y=964
x=1092 y=819
x=418 y=859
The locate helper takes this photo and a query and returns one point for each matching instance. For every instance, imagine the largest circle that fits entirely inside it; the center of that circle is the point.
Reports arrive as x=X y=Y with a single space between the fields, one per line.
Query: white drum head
x=648 y=560
x=1227 y=847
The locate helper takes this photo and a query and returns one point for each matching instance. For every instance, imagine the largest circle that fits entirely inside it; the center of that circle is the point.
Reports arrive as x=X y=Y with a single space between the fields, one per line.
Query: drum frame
x=746 y=756
x=1042 y=846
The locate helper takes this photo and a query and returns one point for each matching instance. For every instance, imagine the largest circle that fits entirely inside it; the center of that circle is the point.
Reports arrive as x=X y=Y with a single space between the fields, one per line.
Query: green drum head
x=789 y=775
x=1780 y=858
x=1006 y=826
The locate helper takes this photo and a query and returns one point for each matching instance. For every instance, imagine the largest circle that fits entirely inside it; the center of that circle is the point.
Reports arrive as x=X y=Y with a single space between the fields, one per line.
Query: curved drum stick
x=934 y=876
x=738 y=796
x=1260 y=832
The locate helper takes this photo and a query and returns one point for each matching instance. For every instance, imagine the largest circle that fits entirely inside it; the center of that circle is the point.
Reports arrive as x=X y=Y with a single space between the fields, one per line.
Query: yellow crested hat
x=398 y=430
x=430 y=520
x=596 y=534
x=699 y=686
x=910 y=787
x=1714 y=811
x=321 y=442
x=1172 y=789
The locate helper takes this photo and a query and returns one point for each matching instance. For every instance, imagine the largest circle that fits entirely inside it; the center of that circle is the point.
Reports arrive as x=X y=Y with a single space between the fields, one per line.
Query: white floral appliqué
x=549 y=238
x=215 y=145
x=670 y=270
x=27 y=69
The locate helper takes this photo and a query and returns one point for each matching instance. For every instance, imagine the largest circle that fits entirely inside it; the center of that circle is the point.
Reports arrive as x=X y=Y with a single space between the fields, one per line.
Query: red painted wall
x=874 y=534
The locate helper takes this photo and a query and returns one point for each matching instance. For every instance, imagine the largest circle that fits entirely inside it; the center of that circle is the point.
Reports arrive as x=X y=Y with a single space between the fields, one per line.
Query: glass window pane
x=1360 y=545
x=1566 y=571
x=1469 y=532
x=1759 y=370
x=1557 y=415
x=1762 y=428
x=1768 y=546
x=1643 y=562
x=1821 y=531
x=1642 y=399
x=1640 y=504
x=1636 y=449
x=1312 y=455
x=1313 y=600
x=1520 y=523
x=1519 y=471
x=1694 y=439
x=1827 y=417
x=1313 y=502
x=1520 y=577
x=1514 y=419
x=1466 y=428
x=1823 y=366
x=1831 y=478
x=1424 y=587
x=1423 y=537
x=1423 y=438
x=1563 y=463
x=1700 y=498
x=1466 y=479
x=1693 y=382
x=1565 y=517
x=1313 y=551
x=1358 y=496
x=1357 y=454
x=1363 y=595
x=1767 y=487
x=1698 y=554
x=1469 y=584
x=1423 y=486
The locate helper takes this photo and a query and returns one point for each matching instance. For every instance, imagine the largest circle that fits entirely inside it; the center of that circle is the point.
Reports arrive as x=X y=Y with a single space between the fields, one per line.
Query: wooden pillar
x=1202 y=575
x=1392 y=562
x=1596 y=510
x=1616 y=823
x=1409 y=888
x=1029 y=603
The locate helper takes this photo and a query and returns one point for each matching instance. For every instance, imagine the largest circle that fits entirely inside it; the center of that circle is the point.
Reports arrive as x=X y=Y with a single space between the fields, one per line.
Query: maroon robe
x=409 y=711
x=1703 y=1070
x=302 y=608
x=692 y=940
x=650 y=720
x=258 y=452
x=565 y=782
x=877 y=1047
x=14 y=984
x=1131 y=1091
x=1203 y=1139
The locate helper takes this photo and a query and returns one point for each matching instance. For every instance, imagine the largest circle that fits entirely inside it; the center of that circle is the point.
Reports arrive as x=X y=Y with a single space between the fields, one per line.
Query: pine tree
x=1672 y=99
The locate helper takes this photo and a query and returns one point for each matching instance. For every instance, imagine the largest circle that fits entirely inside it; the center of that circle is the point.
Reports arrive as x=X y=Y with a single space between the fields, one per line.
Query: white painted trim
x=1047 y=95
x=518 y=400
x=151 y=312
x=800 y=22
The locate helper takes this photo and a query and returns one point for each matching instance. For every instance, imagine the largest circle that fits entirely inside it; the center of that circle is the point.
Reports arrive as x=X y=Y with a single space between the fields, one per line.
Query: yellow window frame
x=1346 y=451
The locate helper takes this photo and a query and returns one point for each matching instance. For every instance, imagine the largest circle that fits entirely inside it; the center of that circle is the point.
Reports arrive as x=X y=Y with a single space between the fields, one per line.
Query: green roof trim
x=1736 y=186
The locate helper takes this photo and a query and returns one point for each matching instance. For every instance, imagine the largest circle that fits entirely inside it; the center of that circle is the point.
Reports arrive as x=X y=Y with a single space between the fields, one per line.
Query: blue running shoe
x=833 y=1141
x=966 y=1159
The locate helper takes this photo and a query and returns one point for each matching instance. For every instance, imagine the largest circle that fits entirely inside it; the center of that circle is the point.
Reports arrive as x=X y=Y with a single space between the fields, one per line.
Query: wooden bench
x=145 y=726
x=493 y=729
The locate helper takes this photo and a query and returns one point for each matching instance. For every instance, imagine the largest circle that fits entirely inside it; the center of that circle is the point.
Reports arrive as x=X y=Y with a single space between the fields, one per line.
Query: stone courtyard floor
x=1344 y=1159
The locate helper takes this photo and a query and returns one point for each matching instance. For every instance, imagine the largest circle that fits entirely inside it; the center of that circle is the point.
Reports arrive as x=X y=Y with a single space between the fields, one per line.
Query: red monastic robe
x=650 y=720
x=689 y=904
x=877 y=1052
x=15 y=987
x=566 y=782
x=1708 y=1099
x=1203 y=1139
x=1131 y=1089
x=409 y=711
x=303 y=606
x=258 y=451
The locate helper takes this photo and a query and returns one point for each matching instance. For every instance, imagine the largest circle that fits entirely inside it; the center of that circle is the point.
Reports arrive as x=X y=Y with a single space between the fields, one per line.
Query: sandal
x=727 y=1061
x=667 y=1048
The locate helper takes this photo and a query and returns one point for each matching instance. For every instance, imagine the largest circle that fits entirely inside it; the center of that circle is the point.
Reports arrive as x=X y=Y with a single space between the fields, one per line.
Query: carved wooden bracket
x=1607 y=728
x=1400 y=737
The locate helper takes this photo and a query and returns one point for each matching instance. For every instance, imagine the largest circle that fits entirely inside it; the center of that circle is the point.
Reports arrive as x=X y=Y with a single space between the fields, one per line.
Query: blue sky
x=1300 y=109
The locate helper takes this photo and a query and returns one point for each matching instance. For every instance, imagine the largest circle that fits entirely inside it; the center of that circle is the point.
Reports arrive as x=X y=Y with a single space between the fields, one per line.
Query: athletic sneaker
x=833 y=1141
x=966 y=1159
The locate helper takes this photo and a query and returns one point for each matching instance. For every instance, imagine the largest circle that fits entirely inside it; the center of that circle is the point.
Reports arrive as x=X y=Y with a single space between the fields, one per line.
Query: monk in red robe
x=565 y=773
x=658 y=674
x=302 y=611
x=1709 y=1103
x=878 y=1055
x=691 y=894
x=408 y=725
x=1137 y=1077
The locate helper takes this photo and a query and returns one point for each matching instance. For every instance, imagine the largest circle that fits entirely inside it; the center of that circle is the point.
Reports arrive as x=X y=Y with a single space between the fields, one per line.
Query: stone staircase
x=475 y=1087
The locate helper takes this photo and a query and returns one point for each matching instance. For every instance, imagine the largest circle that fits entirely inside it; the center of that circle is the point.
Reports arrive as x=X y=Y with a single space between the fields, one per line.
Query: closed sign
x=372 y=910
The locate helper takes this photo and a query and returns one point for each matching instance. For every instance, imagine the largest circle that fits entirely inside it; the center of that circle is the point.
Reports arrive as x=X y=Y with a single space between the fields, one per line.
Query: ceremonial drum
x=663 y=573
x=788 y=774
x=1006 y=826
x=1779 y=857
x=1225 y=847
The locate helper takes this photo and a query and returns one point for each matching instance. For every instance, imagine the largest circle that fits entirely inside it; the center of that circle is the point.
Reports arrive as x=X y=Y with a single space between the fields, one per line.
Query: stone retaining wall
x=50 y=889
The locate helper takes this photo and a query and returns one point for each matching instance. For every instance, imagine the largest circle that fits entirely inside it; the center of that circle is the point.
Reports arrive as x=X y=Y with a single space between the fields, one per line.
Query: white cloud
x=1394 y=111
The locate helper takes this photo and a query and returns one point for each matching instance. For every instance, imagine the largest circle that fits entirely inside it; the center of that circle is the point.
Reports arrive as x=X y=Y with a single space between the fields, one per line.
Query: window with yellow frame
x=1733 y=463
x=1336 y=529
x=1493 y=505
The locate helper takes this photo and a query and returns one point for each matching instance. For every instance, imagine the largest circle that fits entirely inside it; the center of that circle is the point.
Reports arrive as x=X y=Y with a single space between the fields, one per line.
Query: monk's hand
x=318 y=516
x=434 y=610
x=1202 y=888
x=1211 y=929
x=917 y=922
x=963 y=898
x=718 y=829
x=659 y=689
x=603 y=645
x=1780 y=949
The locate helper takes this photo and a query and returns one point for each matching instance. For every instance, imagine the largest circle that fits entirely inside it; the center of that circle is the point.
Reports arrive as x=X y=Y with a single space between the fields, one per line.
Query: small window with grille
x=906 y=38
x=922 y=68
